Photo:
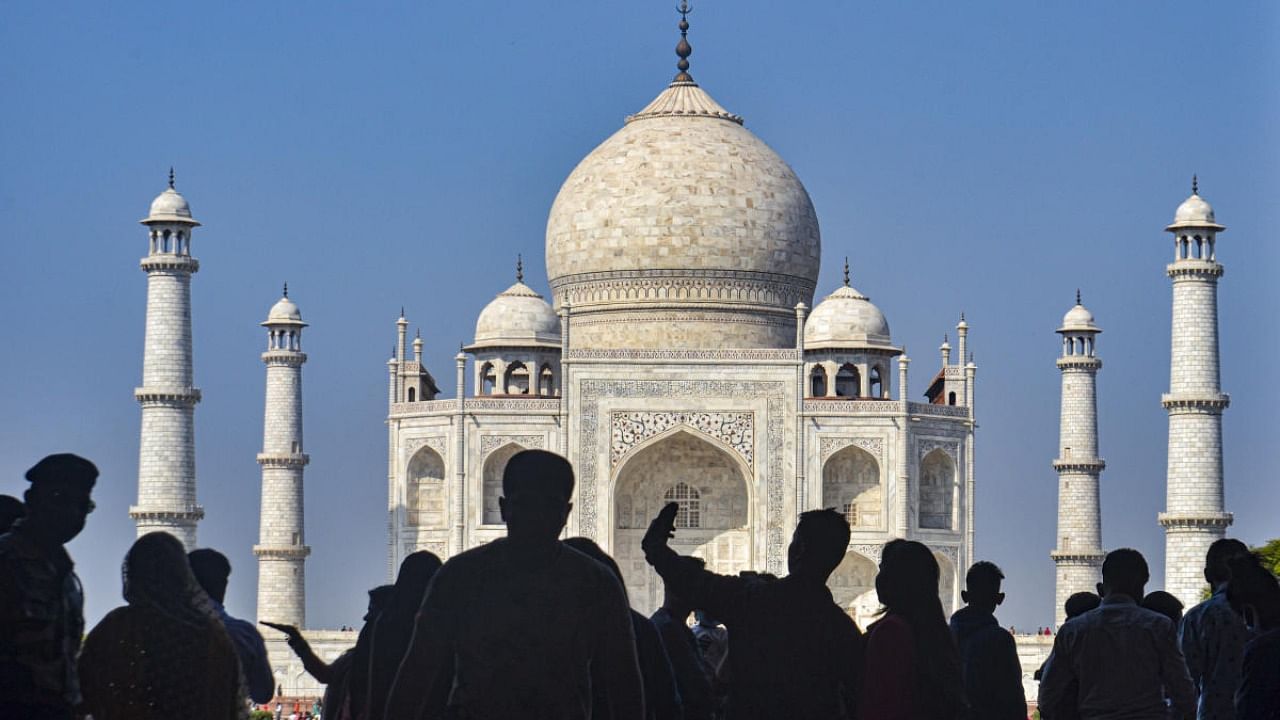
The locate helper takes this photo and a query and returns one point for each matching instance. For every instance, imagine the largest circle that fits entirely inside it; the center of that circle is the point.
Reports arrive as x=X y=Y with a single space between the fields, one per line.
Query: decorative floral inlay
x=629 y=429
x=489 y=443
x=830 y=445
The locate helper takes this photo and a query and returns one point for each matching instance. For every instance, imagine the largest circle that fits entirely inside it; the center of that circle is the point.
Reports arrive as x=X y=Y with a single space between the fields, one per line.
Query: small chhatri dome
x=518 y=317
x=846 y=319
x=1195 y=211
x=285 y=311
x=170 y=206
x=1078 y=319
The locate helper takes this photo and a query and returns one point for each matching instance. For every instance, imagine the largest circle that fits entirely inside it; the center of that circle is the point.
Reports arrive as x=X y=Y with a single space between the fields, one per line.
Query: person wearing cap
x=41 y=600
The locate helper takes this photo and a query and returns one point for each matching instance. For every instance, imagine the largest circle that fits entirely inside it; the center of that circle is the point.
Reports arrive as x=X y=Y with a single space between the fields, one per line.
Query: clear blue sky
x=984 y=157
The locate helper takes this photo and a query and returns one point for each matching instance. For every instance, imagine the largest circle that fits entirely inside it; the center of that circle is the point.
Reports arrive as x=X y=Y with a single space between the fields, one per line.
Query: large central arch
x=714 y=523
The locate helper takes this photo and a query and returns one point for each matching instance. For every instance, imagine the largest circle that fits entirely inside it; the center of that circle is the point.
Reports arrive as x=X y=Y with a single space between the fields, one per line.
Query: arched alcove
x=937 y=490
x=711 y=485
x=848 y=382
x=853 y=578
x=494 y=465
x=517 y=380
x=488 y=379
x=851 y=484
x=425 y=491
x=818 y=382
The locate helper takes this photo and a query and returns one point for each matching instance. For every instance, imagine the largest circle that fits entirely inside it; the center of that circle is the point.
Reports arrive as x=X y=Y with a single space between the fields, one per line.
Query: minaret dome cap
x=1194 y=212
x=285 y=312
x=170 y=207
x=1078 y=320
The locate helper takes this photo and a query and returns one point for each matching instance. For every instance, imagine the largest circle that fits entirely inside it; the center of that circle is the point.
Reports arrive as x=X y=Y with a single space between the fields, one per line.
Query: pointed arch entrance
x=714 y=522
x=853 y=587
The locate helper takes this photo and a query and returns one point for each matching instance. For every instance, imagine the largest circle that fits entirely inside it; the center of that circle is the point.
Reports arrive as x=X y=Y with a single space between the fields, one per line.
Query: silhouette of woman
x=912 y=665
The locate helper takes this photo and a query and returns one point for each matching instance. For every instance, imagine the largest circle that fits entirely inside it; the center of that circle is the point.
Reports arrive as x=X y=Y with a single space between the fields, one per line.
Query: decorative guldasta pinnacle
x=683 y=48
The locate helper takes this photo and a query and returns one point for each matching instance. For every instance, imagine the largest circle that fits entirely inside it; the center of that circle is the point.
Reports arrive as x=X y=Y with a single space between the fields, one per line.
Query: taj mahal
x=686 y=353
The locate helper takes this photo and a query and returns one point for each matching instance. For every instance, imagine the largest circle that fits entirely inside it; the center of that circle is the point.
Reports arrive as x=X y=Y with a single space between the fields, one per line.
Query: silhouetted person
x=41 y=601
x=522 y=626
x=1212 y=637
x=166 y=653
x=1165 y=604
x=693 y=675
x=988 y=655
x=11 y=510
x=1255 y=595
x=1076 y=605
x=1124 y=657
x=913 y=666
x=793 y=652
x=212 y=570
x=335 y=675
x=384 y=642
x=661 y=700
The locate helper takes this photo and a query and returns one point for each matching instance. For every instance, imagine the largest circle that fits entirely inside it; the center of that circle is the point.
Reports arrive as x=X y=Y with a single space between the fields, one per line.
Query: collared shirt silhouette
x=1212 y=638
x=1125 y=658
x=212 y=570
x=793 y=653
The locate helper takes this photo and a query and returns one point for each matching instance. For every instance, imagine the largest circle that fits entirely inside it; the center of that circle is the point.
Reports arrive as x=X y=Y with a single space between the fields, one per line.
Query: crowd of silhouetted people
x=534 y=626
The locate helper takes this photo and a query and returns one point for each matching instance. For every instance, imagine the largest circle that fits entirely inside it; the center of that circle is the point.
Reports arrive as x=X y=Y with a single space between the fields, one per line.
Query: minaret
x=1079 y=555
x=1194 y=516
x=281 y=548
x=166 y=454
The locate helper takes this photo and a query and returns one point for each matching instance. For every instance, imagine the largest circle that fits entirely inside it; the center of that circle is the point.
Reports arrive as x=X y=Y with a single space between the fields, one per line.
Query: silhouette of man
x=793 y=653
x=212 y=570
x=1165 y=604
x=1212 y=636
x=522 y=626
x=1124 y=657
x=693 y=676
x=992 y=673
x=1075 y=606
x=1255 y=595
x=41 y=600
x=11 y=510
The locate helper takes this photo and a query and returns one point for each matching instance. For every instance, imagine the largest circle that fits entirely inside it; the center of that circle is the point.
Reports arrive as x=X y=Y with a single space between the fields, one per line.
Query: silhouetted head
x=818 y=544
x=536 y=487
x=908 y=575
x=675 y=605
x=982 y=586
x=11 y=509
x=1081 y=603
x=212 y=569
x=1165 y=604
x=157 y=576
x=58 y=500
x=1124 y=572
x=1217 y=569
x=379 y=598
x=1254 y=593
x=416 y=571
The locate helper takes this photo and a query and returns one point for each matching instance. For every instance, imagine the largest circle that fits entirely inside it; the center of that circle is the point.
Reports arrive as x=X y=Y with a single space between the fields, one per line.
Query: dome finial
x=1078 y=297
x=286 y=289
x=1195 y=184
x=171 y=178
x=519 y=268
x=846 y=271
x=683 y=48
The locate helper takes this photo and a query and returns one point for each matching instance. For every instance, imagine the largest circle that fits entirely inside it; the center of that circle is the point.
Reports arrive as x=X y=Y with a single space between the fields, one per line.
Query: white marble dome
x=517 y=317
x=846 y=319
x=170 y=206
x=1078 y=319
x=285 y=310
x=1194 y=212
x=683 y=209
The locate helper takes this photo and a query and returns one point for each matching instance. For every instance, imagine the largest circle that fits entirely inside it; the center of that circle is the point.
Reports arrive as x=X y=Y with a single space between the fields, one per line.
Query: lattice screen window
x=690 y=500
x=851 y=513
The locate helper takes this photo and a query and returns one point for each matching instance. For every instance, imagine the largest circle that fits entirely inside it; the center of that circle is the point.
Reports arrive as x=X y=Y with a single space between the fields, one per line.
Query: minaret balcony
x=287 y=358
x=281 y=552
x=191 y=513
x=1186 y=403
x=1080 y=465
x=1077 y=557
x=1195 y=521
x=1083 y=362
x=283 y=460
x=182 y=397
x=1192 y=268
x=171 y=263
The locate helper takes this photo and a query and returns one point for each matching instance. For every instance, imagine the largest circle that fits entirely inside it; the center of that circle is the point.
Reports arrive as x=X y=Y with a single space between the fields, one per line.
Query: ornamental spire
x=519 y=268
x=846 y=271
x=286 y=289
x=683 y=48
x=171 y=178
x=1195 y=184
x=1078 y=296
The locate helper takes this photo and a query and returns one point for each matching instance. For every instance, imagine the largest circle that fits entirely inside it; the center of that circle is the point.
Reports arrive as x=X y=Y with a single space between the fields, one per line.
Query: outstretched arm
x=319 y=669
x=719 y=595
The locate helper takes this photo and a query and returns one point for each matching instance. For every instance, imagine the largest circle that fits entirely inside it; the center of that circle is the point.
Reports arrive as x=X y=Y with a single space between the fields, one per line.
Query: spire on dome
x=683 y=48
x=1078 y=297
x=286 y=289
x=171 y=178
x=1195 y=184
x=846 y=271
x=519 y=268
